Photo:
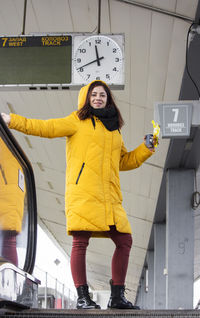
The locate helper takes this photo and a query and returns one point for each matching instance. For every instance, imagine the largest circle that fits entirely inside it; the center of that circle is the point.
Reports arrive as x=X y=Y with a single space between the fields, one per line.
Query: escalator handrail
x=17 y=151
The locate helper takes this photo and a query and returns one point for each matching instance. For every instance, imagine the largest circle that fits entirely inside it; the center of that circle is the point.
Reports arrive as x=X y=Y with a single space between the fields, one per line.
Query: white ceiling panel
x=48 y=16
x=105 y=17
x=141 y=21
x=158 y=57
x=121 y=12
x=54 y=179
x=49 y=199
x=58 y=231
x=141 y=231
x=186 y=7
x=146 y=179
x=84 y=15
x=137 y=124
x=141 y=207
x=11 y=17
x=155 y=186
x=57 y=217
x=176 y=60
x=135 y=180
x=98 y=246
x=169 y=5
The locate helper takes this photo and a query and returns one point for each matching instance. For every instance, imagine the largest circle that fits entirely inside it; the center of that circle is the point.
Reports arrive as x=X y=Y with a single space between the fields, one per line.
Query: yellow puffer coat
x=11 y=194
x=94 y=157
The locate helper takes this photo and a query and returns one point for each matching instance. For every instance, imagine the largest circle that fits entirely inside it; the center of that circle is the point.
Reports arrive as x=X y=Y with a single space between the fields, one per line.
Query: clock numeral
x=114 y=50
x=108 y=76
x=88 y=76
x=89 y=43
x=82 y=50
x=114 y=69
x=108 y=43
x=116 y=59
x=80 y=69
x=98 y=41
x=78 y=60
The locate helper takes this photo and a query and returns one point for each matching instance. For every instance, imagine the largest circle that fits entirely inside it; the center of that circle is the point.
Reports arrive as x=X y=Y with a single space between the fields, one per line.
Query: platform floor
x=58 y=313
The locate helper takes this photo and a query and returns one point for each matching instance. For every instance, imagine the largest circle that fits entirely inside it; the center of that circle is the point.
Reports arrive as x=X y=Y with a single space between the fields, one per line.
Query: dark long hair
x=85 y=111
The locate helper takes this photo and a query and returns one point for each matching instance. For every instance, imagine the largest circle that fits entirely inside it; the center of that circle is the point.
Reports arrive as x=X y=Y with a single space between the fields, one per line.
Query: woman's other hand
x=149 y=142
x=6 y=118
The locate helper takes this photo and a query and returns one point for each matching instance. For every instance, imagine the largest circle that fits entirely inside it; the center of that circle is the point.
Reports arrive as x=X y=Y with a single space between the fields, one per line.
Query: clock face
x=98 y=57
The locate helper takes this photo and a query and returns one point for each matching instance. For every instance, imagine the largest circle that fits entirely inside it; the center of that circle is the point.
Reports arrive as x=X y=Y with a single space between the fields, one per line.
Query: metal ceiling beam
x=24 y=17
x=159 y=10
x=99 y=17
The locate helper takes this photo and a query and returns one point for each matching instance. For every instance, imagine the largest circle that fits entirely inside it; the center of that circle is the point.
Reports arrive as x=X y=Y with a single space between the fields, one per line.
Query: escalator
x=18 y=225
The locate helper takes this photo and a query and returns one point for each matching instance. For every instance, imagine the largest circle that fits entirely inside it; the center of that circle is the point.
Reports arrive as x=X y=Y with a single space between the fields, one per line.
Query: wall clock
x=98 y=57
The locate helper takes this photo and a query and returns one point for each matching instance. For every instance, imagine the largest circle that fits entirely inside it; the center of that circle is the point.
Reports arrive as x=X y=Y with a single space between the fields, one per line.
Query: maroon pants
x=123 y=242
x=8 y=243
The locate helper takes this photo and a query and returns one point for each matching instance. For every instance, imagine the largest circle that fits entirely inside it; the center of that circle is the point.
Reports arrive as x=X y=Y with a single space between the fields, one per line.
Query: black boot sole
x=120 y=308
x=88 y=308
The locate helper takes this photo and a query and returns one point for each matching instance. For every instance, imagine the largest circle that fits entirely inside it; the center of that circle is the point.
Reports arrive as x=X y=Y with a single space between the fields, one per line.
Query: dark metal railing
x=19 y=154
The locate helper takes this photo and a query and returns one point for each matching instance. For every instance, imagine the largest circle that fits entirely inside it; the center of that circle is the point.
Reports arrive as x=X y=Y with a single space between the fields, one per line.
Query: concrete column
x=179 y=239
x=142 y=293
x=139 y=295
x=159 y=265
x=150 y=283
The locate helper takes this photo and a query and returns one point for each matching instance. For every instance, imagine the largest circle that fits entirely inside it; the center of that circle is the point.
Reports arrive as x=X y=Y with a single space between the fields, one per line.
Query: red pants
x=8 y=246
x=123 y=242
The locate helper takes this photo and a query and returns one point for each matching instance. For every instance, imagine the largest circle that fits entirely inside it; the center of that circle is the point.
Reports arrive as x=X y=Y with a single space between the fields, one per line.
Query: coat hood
x=83 y=93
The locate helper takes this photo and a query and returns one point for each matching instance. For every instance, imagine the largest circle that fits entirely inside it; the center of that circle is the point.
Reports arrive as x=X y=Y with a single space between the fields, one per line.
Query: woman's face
x=98 y=97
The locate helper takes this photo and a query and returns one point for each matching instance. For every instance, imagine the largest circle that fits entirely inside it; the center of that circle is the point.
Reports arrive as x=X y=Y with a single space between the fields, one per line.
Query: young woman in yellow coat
x=95 y=153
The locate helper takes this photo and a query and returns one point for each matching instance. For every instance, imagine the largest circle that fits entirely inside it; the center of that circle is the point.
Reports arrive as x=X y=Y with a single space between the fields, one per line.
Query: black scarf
x=108 y=116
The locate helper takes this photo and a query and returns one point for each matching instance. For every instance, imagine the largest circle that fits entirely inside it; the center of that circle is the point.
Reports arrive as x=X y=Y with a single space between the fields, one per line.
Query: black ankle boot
x=84 y=301
x=118 y=300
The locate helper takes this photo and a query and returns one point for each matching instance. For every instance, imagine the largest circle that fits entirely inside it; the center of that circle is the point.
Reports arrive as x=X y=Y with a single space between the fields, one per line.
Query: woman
x=95 y=153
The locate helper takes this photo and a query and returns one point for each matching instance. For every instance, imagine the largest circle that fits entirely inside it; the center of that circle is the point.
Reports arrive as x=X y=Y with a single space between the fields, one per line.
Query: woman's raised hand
x=6 y=118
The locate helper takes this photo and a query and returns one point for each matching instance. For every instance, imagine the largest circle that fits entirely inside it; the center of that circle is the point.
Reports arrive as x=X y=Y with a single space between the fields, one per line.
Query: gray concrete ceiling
x=154 y=65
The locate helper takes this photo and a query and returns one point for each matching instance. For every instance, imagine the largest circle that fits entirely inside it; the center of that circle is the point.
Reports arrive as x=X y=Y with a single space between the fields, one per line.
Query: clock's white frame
x=118 y=82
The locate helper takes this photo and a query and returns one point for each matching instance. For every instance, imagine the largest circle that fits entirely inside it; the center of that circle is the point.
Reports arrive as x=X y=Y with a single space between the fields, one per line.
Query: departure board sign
x=28 y=60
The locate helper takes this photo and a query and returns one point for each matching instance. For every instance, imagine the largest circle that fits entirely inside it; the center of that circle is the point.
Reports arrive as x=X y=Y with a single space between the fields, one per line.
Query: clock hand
x=90 y=63
x=97 y=55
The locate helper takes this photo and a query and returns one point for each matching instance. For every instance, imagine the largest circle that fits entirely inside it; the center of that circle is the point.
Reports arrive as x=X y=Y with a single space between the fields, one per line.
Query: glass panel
x=13 y=208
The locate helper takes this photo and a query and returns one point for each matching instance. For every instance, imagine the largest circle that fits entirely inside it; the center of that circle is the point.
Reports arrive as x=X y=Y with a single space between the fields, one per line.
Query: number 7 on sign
x=176 y=111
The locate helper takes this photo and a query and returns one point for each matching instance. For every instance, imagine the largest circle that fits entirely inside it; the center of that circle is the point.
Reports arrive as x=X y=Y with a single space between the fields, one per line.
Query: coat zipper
x=80 y=172
x=3 y=174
